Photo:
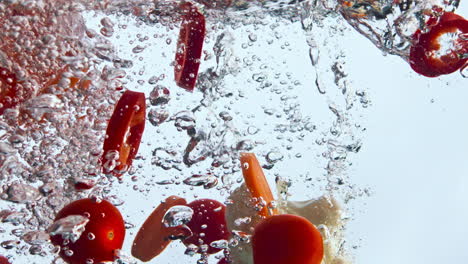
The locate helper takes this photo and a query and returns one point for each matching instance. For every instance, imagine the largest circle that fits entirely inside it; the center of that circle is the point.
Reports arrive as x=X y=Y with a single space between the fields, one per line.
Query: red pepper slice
x=123 y=134
x=424 y=54
x=8 y=90
x=290 y=239
x=153 y=236
x=189 y=47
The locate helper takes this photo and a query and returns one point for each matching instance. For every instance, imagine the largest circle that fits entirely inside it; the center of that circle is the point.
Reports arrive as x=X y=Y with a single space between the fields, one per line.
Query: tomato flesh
x=105 y=225
x=189 y=47
x=124 y=132
x=287 y=239
x=424 y=54
x=208 y=224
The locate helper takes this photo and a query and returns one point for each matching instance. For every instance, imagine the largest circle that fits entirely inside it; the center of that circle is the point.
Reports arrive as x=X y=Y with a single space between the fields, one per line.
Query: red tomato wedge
x=440 y=50
x=9 y=96
x=208 y=224
x=4 y=260
x=103 y=234
x=123 y=134
x=287 y=239
x=257 y=183
x=189 y=47
x=153 y=236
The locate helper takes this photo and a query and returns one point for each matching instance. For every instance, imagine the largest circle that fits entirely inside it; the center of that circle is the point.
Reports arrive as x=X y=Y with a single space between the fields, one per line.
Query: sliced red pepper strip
x=287 y=239
x=189 y=47
x=423 y=54
x=153 y=236
x=124 y=132
x=257 y=183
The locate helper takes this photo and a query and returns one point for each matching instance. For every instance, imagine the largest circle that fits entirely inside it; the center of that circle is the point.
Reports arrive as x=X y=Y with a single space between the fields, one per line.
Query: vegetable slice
x=287 y=239
x=124 y=132
x=428 y=57
x=189 y=47
x=152 y=238
x=257 y=183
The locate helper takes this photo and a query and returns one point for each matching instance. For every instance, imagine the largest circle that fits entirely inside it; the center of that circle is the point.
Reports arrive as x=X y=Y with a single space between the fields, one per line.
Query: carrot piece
x=257 y=183
x=153 y=236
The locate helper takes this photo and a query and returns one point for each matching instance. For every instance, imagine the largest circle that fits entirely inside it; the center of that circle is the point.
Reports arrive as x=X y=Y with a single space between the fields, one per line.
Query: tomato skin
x=124 y=132
x=105 y=222
x=287 y=239
x=189 y=47
x=212 y=214
x=427 y=43
x=4 y=260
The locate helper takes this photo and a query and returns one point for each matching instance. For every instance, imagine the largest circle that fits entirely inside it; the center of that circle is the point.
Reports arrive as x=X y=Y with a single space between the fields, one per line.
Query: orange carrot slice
x=153 y=236
x=257 y=183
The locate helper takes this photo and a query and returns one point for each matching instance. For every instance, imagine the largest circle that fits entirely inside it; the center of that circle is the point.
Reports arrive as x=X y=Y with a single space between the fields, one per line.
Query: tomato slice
x=103 y=234
x=123 y=134
x=287 y=239
x=257 y=183
x=426 y=55
x=153 y=236
x=8 y=90
x=208 y=224
x=189 y=47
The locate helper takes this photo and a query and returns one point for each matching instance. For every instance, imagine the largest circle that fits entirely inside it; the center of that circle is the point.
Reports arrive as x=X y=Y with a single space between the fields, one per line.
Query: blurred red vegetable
x=189 y=46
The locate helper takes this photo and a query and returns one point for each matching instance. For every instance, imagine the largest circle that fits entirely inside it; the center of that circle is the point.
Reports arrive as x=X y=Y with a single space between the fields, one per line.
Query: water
x=274 y=79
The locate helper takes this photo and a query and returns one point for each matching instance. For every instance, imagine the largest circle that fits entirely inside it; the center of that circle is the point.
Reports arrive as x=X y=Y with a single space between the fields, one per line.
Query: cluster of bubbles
x=73 y=57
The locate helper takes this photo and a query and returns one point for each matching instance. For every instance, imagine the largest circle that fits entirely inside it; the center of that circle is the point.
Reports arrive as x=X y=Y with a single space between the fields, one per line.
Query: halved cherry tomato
x=287 y=239
x=103 y=234
x=189 y=47
x=153 y=236
x=8 y=90
x=257 y=183
x=4 y=260
x=208 y=224
x=123 y=134
x=426 y=55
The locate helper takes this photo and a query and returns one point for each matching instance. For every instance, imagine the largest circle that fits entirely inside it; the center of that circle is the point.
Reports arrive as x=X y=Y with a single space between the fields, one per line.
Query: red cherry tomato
x=208 y=224
x=189 y=47
x=287 y=239
x=105 y=224
x=426 y=55
x=8 y=90
x=123 y=134
x=4 y=260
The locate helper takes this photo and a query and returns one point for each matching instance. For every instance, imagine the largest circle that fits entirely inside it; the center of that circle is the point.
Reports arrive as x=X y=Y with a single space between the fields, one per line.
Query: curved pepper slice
x=123 y=134
x=189 y=47
x=257 y=183
x=153 y=236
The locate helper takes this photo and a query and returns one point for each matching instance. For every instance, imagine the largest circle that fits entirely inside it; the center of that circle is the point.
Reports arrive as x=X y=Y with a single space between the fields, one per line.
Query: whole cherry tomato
x=124 y=132
x=103 y=234
x=4 y=260
x=208 y=224
x=287 y=239
x=441 y=49
x=189 y=47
